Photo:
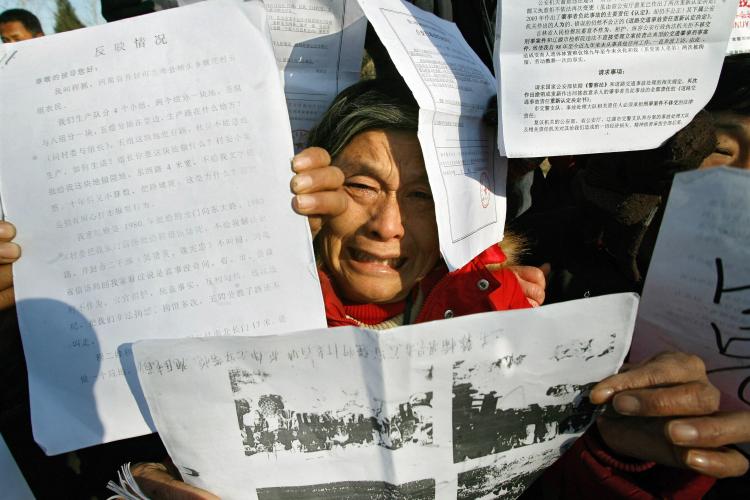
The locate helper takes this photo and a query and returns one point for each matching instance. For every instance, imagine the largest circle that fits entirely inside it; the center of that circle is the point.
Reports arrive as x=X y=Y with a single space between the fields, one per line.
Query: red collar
x=340 y=314
x=373 y=314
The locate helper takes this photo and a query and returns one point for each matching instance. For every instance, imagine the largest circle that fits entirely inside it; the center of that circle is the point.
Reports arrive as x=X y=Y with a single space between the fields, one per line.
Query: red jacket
x=587 y=470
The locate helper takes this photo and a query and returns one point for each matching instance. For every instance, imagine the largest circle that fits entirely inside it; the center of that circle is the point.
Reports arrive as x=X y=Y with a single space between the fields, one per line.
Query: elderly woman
x=363 y=186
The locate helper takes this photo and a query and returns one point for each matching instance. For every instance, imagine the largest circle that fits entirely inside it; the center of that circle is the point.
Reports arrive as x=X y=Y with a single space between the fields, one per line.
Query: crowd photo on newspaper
x=375 y=249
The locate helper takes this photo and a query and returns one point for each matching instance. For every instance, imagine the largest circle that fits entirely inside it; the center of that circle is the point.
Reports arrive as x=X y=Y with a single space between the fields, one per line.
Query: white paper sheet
x=12 y=482
x=599 y=76
x=318 y=46
x=452 y=87
x=697 y=292
x=147 y=172
x=463 y=408
x=739 y=40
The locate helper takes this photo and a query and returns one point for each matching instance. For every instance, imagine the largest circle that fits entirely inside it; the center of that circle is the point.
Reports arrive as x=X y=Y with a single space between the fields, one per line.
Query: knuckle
x=537 y=275
x=711 y=398
x=701 y=398
x=320 y=155
x=712 y=432
x=342 y=202
x=658 y=374
x=661 y=404
x=695 y=364
x=338 y=176
x=537 y=293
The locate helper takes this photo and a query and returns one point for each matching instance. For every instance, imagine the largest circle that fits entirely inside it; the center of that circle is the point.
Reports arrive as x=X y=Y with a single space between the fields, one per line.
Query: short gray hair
x=385 y=104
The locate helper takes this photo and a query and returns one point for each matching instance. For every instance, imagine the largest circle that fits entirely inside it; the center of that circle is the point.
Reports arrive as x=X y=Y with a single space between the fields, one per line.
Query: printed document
x=147 y=172
x=697 y=293
x=453 y=88
x=739 y=40
x=318 y=46
x=596 y=76
x=472 y=407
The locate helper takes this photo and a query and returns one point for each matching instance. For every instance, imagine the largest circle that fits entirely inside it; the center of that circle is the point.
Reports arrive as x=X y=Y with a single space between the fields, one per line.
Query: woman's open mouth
x=373 y=261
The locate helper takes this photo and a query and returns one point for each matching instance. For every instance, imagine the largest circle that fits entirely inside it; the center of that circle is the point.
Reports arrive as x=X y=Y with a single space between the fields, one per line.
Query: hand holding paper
x=317 y=187
x=666 y=411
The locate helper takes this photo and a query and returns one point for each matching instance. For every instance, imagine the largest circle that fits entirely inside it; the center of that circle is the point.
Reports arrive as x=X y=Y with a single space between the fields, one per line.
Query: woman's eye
x=725 y=145
x=361 y=189
x=723 y=151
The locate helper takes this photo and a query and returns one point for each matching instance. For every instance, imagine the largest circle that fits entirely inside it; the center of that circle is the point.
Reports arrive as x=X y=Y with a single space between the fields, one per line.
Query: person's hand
x=159 y=482
x=114 y=10
x=317 y=187
x=9 y=253
x=533 y=282
x=666 y=411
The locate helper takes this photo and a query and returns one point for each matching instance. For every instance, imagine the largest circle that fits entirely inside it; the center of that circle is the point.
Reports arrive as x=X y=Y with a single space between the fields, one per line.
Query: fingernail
x=305 y=201
x=301 y=182
x=627 y=405
x=697 y=460
x=299 y=162
x=601 y=394
x=683 y=433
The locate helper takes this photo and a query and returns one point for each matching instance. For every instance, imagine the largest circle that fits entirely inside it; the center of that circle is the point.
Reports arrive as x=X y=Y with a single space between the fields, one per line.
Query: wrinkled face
x=15 y=31
x=386 y=240
x=732 y=141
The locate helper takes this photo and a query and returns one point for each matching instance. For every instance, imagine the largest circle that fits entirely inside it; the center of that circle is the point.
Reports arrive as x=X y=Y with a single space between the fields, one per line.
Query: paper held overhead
x=147 y=172
x=697 y=293
x=739 y=40
x=600 y=76
x=318 y=46
x=453 y=88
x=459 y=408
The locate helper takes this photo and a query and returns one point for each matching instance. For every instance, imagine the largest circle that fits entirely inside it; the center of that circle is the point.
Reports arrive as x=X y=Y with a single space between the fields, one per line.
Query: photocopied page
x=453 y=88
x=319 y=46
x=697 y=292
x=147 y=172
x=472 y=407
x=739 y=40
x=598 y=76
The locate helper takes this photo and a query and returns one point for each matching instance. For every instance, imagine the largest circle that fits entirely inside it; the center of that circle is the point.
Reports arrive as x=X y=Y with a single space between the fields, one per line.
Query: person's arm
x=661 y=437
x=9 y=253
x=161 y=482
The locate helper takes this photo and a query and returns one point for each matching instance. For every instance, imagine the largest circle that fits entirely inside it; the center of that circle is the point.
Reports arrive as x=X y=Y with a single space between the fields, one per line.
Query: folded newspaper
x=471 y=407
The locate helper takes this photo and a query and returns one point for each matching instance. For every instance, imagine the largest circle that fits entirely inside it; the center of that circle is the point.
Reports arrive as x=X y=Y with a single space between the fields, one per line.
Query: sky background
x=88 y=11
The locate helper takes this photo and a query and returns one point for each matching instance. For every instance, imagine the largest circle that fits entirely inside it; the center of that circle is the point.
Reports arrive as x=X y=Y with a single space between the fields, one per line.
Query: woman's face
x=386 y=240
x=732 y=141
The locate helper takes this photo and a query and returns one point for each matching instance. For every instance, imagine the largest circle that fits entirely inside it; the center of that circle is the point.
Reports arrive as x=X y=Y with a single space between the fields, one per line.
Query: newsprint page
x=472 y=407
